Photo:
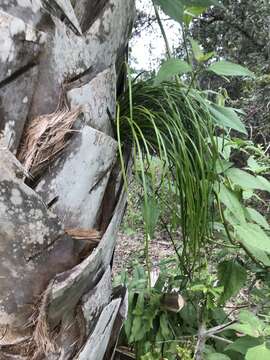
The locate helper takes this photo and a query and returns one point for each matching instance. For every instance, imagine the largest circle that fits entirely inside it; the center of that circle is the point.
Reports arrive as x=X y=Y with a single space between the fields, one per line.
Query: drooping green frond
x=167 y=122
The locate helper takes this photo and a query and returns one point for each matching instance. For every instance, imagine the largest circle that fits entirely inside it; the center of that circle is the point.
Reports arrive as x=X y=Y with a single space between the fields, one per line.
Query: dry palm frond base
x=9 y=161
x=54 y=339
x=89 y=239
x=46 y=137
x=90 y=235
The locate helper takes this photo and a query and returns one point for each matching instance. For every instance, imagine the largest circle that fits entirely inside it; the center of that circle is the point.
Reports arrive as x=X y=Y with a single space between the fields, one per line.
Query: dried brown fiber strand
x=46 y=136
x=84 y=234
x=43 y=337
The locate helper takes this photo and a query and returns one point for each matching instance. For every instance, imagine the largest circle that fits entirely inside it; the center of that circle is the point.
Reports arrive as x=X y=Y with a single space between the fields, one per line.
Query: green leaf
x=230 y=200
x=224 y=147
x=249 y=324
x=246 y=180
x=226 y=117
x=248 y=317
x=260 y=255
x=191 y=12
x=151 y=214
x=217 y=356
x=164 y=326
x=258 y=218
x=254 y=166
x=199 y=287
x=242 y=344
x=207 y=56
x=136 y=333
x=205 y=3
x=227 y=68
x=232 y=276
x=265 y=183
x=254 y=236
x=246 y=329
x=173 y=8
x=139 y=308
x=232 y=219
x=247 y=194
x=170 y=68
x=197 y=51
x=223 y=165
x=260 y=352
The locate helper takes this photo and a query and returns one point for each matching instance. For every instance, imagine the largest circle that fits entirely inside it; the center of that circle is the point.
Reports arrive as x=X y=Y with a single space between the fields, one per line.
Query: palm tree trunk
x=61 y=194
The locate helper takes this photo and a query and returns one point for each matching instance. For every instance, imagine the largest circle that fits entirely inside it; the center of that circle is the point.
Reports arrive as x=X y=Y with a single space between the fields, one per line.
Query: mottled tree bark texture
x=61 y=193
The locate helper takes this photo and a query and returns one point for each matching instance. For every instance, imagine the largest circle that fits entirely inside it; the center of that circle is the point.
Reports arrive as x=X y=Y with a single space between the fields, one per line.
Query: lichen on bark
x=48 y=278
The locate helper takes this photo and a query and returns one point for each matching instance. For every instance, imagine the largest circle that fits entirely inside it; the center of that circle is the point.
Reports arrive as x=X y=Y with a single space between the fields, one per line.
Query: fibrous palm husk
x=43 y=338
x=46 y=137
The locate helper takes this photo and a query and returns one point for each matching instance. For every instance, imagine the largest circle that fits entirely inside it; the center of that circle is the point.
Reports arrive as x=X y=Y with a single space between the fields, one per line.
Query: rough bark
x=59 y=58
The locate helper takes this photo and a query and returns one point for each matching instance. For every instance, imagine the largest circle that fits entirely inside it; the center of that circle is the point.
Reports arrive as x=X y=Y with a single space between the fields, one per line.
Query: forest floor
x=130 y=241
x=130 y=248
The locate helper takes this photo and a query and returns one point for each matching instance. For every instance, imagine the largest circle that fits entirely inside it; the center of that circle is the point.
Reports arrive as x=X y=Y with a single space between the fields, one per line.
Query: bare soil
x=131 y=247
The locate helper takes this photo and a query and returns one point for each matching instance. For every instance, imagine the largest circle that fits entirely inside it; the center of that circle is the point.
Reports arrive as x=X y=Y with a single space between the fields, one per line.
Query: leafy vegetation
x=215 y=203
x=240 y=33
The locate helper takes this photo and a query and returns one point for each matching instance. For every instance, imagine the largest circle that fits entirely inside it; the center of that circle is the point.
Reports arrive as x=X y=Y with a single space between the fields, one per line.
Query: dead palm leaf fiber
x=84 y=234
x=46 y=136
x=44 y=337
x=90 y=237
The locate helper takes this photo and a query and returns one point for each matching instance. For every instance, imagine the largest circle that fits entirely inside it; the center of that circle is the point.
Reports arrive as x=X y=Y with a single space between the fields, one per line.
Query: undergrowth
x=213 y=201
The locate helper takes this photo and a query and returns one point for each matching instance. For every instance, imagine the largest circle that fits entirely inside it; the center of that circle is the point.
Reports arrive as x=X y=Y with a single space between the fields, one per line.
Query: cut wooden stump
x=91 y=236
x=172 y=302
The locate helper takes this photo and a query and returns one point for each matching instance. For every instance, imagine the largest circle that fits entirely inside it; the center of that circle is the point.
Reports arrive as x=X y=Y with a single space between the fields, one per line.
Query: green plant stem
x=223 y=245
x=221 y=339
x=223 y=220
x=182 y=339
x=180 y=259
x=194 y=75
x=185 y=43
x=168 y=50
x=218 y=329
x=147 y=259
x=120 y=149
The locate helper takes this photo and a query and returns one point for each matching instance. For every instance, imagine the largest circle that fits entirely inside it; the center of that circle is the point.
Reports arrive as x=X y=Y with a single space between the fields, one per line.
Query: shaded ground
x=131 y=247
x=130 y=242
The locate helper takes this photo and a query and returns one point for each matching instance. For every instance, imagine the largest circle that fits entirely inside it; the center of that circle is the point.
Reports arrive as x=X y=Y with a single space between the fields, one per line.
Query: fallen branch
x=221 y=339
x=203 y=334
x=198 y=354
x=218 y=329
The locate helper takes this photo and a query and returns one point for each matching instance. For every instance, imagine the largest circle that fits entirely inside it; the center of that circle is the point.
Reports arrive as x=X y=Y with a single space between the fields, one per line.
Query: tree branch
x=231 y=23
